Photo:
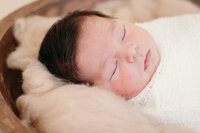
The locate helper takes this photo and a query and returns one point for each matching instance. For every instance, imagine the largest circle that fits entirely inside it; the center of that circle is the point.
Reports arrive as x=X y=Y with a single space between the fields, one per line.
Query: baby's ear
x=18 y=27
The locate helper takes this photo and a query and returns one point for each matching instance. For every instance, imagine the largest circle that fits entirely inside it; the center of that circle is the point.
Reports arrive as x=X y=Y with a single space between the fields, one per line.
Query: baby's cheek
x=131 y=84
x=121 y=86
x=117 y=87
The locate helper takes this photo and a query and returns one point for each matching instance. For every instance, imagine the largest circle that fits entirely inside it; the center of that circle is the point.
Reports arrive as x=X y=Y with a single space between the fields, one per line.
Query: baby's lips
x=147 y=59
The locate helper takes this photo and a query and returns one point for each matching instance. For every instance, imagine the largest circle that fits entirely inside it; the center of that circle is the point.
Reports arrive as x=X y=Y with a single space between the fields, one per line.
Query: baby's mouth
x=147 y=60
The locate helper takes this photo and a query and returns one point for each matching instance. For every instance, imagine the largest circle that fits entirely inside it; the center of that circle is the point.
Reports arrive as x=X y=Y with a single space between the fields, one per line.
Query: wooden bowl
x=11 y=80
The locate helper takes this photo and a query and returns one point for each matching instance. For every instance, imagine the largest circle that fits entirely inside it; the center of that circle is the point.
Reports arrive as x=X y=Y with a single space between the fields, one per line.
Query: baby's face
x=116 y=55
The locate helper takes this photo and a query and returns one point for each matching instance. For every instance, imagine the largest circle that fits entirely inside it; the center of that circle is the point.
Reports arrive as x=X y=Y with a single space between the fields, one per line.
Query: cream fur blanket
x=53 y=106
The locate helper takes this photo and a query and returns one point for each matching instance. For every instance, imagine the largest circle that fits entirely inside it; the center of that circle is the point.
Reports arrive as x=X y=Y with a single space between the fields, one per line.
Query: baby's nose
x=131 y=53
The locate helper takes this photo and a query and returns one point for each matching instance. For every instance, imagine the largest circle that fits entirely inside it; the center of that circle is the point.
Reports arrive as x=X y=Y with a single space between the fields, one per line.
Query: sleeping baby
x=131 y=60
x=153 y=65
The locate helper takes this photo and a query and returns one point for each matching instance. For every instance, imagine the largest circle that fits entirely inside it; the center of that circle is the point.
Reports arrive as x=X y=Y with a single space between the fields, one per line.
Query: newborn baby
x=121 y=56
x=89 y=47
x=52 y=106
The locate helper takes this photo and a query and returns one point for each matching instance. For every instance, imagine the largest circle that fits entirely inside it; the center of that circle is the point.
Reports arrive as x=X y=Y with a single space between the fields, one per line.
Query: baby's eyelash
x=114 y=69
x=124 y=33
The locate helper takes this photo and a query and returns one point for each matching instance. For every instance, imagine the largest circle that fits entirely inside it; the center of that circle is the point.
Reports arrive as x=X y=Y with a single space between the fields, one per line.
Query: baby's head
x=90 y=47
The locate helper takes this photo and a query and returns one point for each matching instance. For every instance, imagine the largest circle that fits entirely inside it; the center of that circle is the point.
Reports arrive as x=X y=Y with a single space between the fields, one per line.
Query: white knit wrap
x=173 y=94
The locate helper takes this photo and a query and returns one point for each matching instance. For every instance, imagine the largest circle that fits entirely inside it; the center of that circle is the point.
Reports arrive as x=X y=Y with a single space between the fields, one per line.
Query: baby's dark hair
x=58 y=47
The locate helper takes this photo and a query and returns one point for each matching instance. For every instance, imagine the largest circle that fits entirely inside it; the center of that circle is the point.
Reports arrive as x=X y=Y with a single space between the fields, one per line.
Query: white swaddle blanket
x=173 y=94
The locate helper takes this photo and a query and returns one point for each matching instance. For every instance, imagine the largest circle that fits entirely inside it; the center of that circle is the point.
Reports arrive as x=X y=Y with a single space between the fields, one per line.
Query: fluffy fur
x=52 y=106
x=66 y=108
x=29 y=33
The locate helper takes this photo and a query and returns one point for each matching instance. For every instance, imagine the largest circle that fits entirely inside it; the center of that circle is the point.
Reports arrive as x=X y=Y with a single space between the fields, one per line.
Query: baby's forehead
x=95 y=25
x=95 y=21
x=92 y=36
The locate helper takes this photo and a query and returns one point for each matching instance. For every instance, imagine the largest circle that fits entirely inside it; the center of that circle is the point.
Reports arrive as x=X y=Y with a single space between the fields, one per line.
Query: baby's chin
x=131 y=94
